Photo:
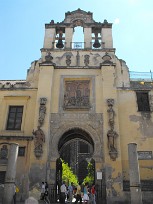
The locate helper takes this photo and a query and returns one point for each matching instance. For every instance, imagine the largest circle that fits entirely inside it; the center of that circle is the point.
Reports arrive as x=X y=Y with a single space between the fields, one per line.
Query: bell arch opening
x=78 y=38
x=76 y=148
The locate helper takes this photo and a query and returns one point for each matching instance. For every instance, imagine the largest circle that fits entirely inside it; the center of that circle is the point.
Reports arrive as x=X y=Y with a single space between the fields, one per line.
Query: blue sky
x=22 y=27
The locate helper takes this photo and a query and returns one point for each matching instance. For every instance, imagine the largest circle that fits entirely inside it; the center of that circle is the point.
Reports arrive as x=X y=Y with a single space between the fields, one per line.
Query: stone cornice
x=6 y=137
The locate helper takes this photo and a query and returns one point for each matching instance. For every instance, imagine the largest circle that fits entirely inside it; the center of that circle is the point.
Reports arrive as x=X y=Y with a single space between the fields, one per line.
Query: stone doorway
x=76 y=148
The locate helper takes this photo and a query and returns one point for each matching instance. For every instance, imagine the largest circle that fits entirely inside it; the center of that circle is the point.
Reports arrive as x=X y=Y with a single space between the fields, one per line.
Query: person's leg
x=80 y=198
x=77 y=198
x=14 y=198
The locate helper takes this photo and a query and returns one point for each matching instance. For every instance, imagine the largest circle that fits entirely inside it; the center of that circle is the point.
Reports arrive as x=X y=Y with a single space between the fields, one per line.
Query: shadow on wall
x=1 y=192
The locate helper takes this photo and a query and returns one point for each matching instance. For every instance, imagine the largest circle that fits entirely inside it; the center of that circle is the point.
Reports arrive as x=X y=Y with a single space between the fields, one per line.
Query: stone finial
x=48 y=58
x=86 y=60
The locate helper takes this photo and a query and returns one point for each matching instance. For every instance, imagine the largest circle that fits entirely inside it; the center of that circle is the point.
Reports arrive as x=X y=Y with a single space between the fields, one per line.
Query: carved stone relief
x=39 y=136
x=42 y=111
x=77 y=94
x=78 y=59
x=91 y=123
x=48 y=58
x=111 y=134
x=68 y=60
x=107 y=59
x=4 y=152
x=68 y=56
x=86 y=60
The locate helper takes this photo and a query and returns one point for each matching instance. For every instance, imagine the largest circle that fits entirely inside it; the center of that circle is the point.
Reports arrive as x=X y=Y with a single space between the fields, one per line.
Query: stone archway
x=76 y=148
x=62 y=123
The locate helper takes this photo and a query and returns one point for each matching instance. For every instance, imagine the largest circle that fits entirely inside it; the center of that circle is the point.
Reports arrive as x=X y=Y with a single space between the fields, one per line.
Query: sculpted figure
x=111 y=114
x=3 y=152
x=38 y=141
x=42 y=112
x=111 y=140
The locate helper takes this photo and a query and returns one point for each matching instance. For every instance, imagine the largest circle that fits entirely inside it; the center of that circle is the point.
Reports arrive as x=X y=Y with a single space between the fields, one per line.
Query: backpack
x=17 y=189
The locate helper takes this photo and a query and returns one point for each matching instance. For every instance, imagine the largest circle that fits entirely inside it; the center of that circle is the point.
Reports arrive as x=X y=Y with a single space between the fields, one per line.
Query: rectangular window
x=14 y=118
x=83 y=147
x=143 y=101
x=21 y=152
x=2 y=177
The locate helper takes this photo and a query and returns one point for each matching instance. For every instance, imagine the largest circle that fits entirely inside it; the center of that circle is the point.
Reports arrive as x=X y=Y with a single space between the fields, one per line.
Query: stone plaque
x=77 y=94
x=144 y=155
x=99 y=175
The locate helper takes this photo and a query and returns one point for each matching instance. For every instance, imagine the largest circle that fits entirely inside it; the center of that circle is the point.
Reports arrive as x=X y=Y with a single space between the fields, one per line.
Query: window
x=84 y=148
x=21 y=152
x=14 y=118
x=143 y=101
x=2 y=177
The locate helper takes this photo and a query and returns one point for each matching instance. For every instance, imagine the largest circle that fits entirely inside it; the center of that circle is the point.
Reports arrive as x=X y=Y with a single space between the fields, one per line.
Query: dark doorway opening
x=76 y=148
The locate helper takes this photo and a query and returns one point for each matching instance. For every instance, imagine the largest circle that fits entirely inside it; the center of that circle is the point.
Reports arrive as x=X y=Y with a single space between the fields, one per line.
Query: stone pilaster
x=9 y=188
x=136 y=196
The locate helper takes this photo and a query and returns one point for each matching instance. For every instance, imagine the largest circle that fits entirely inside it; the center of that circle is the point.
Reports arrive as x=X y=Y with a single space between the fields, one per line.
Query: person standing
x=78 y=194
x=14 y=196
x=70 y=192
x=93 y=194
x=63 y=192
x=42 y=191
x=46 y=199
x=85 y=194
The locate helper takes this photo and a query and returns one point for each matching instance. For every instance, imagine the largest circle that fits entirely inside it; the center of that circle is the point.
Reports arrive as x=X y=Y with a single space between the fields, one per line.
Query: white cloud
x=116 y=21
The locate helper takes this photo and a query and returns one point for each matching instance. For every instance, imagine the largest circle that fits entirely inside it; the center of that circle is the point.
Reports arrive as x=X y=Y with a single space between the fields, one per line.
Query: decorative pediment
x=78 y=17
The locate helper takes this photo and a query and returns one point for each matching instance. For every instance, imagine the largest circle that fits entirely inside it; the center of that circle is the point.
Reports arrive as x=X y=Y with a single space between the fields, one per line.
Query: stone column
x=87 y=38
x=49 y=39
x=107 y=39
x=10 y=174
x=68 y=37
x=135 y=188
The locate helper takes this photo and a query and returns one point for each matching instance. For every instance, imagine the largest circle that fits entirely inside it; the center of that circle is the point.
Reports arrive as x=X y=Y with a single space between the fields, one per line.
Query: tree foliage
x=90 y=176
x=67 y=174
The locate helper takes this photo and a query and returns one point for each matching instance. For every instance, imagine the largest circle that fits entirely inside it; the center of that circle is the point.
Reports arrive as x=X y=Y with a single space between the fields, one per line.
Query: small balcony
x=78 y=45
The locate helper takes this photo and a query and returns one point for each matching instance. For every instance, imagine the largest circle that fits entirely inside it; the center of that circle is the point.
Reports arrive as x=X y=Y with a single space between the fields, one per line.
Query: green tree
x=67 y=174
x=90 y=176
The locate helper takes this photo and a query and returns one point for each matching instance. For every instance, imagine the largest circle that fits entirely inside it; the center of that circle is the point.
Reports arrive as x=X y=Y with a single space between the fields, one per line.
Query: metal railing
x=140 y=76
x=77 y=45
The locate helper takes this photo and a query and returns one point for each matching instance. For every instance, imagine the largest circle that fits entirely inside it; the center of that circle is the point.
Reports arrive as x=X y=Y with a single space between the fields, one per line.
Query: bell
x=60 y=44
x=96 y=44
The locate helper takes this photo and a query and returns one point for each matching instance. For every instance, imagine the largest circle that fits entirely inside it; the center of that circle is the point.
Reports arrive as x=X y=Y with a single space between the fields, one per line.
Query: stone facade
x=83 y=88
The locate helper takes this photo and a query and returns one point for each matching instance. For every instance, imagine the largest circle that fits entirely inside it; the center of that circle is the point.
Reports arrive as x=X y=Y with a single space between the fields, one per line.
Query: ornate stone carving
x=77 y=94
x=39 y=139
x=107 y=59
x=86 y=60
x=91 y=123
x=78 y=59
x=42 y=111
x=48 y=58
x=111 y=113
x=4 y=152
x=68 y=60
x=111 y=134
